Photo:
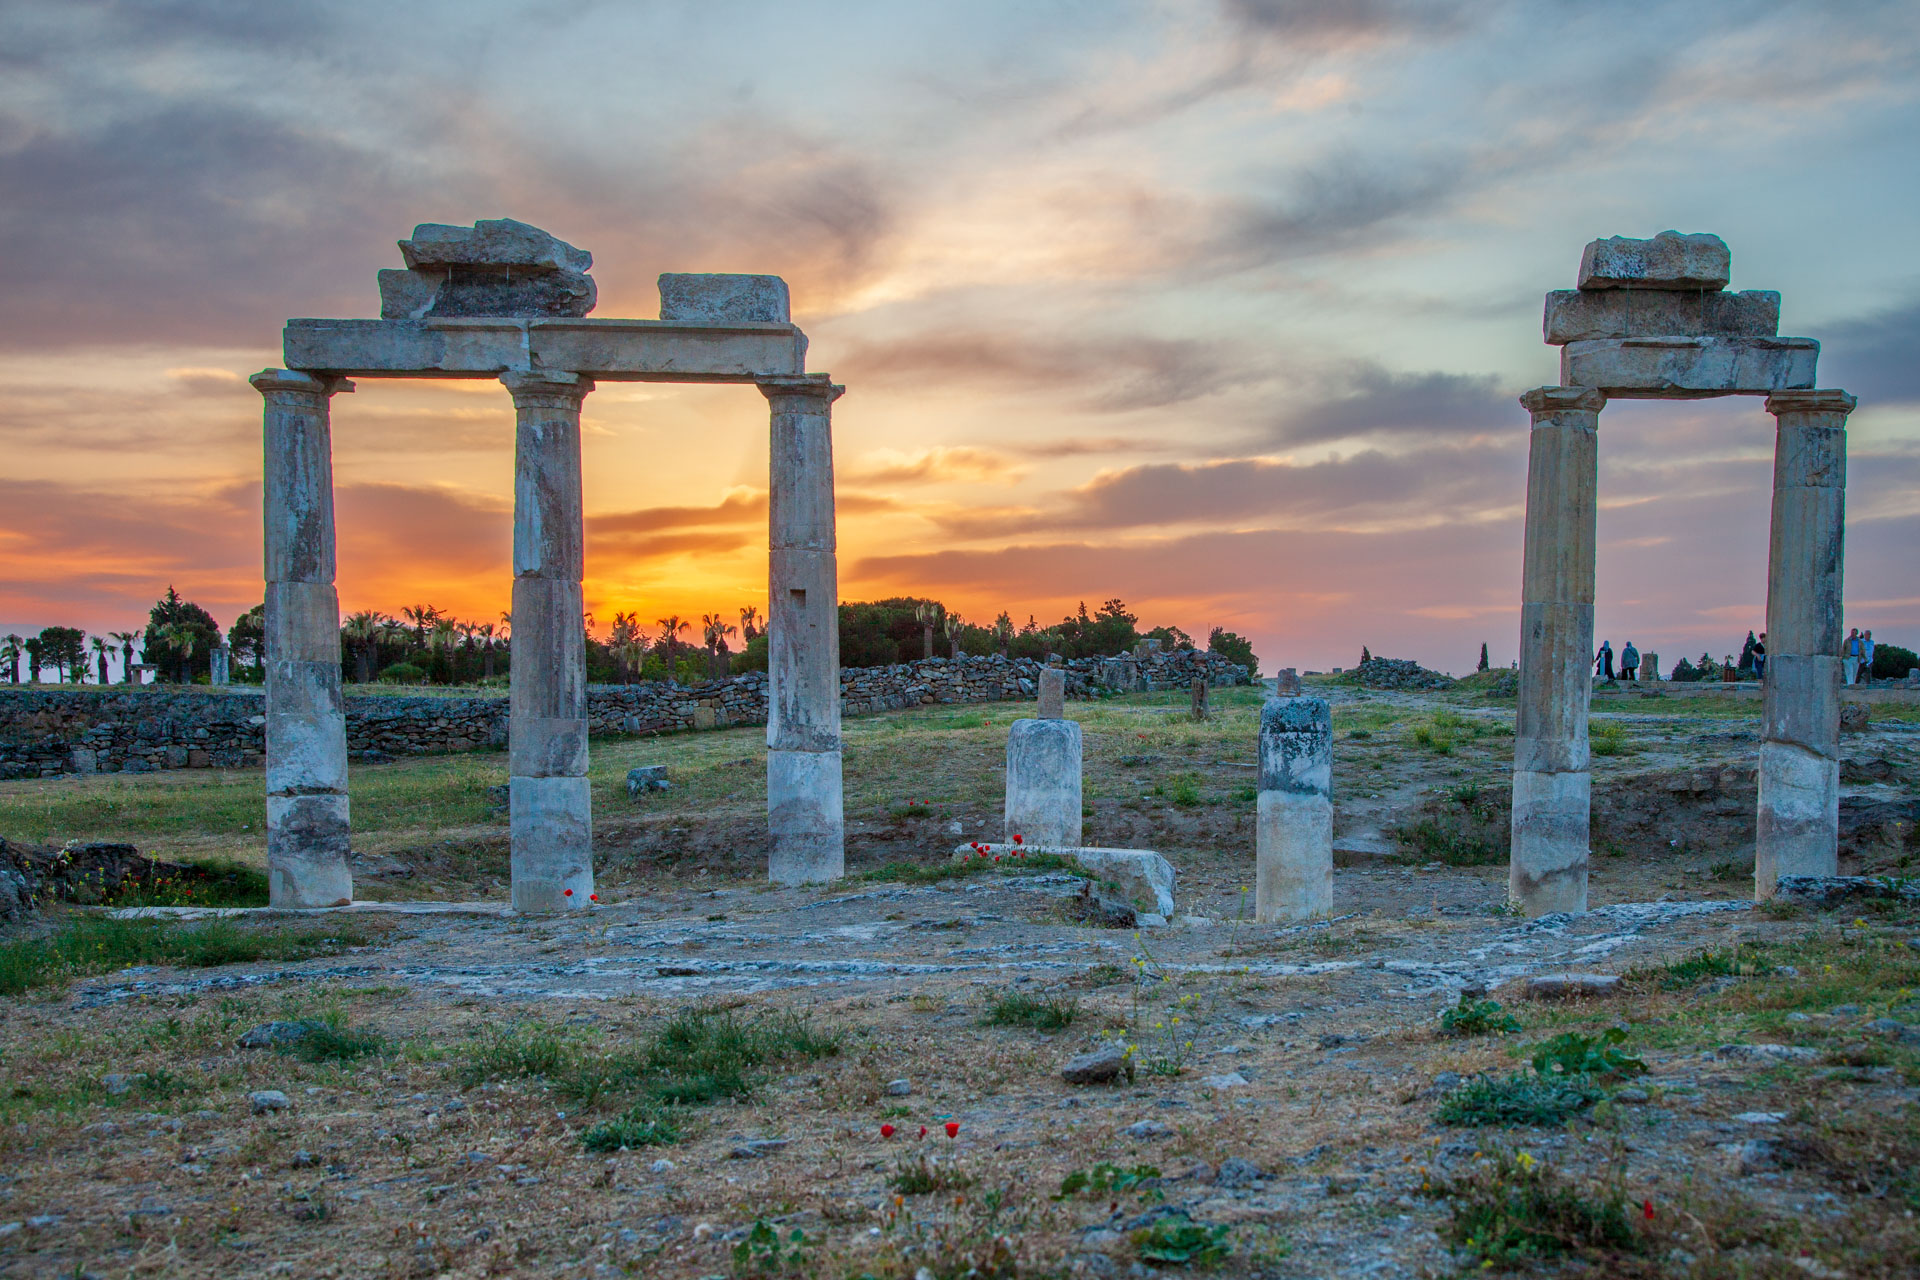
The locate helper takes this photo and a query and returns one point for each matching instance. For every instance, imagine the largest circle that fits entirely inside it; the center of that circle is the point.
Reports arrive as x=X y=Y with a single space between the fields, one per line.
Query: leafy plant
x=1183 y=789
x=639 y=1126
x=764 y=1251
x=332 y=1040
x=1104 y=1178
x=919 y=1176
x=1689 y=971
x=1574 y=1054
x=1477 y=1018
x=1520 y=1099
x=1182 y=1243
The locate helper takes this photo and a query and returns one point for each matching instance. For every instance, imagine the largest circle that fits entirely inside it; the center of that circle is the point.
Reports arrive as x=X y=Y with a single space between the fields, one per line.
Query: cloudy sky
x=1219 y=306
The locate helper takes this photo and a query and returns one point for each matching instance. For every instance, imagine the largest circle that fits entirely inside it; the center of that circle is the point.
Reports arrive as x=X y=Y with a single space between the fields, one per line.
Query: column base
x=1043 y=782
x=1797 y=825
x=552 y=832
x=806 y=820
x=1548 y=868
x=308 y=839
x=1293 y=858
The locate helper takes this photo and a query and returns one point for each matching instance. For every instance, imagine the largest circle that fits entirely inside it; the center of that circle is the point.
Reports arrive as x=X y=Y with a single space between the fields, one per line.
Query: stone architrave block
x=1577 y=315
x=696 y=298
x=1669 y=260
x=491 y=242
x=604 y=350
x=1679 y=368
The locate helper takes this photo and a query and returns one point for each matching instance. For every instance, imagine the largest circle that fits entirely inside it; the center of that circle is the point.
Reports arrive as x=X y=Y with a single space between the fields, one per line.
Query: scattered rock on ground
x=268 y=1034
x=648 y=777
x=265 y=1100
x=1145 y=1130
x=1098 y=1067
x=1238 y=1174
x=899 y=1088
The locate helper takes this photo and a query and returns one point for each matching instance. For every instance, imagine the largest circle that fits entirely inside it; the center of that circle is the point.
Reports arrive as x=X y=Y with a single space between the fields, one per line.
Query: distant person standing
x=1630 y=663
x=1866 y=657
x=1850 y=655
x=1603 y=661
x=1760 y=657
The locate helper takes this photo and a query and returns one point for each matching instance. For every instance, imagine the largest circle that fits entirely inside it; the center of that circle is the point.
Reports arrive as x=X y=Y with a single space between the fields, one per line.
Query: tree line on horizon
x=427 y=645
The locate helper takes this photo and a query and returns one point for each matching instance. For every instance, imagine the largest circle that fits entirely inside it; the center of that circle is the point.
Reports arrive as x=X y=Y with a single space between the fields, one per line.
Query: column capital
x=1781 y=402
x=1544 y=400
x=813 y=386
x=546 y=388
x=271 y=381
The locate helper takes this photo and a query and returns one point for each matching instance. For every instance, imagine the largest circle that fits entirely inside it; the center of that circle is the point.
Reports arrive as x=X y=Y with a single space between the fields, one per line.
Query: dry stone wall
x=46 y=732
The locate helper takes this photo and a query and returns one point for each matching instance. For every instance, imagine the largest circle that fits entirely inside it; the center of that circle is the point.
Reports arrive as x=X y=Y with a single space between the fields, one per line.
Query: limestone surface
x=1689 y=368
x=695 y=298
x=1669 y=260
x=1577 y=315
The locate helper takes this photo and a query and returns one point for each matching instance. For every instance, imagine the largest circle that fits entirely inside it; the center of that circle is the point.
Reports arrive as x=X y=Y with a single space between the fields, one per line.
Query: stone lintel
x=1581 y=315
x=1675 y=368
x=608 y=350
x=1548 y=400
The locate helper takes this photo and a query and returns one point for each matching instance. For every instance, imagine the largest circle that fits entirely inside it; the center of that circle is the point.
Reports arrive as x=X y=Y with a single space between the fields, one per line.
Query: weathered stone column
x=551 y=809
x=1053 y=693
x=1293 y=853
x=805 y=818
x=1798 y=823
x=1552 y=785
x=1043 y=783
x=308 y=826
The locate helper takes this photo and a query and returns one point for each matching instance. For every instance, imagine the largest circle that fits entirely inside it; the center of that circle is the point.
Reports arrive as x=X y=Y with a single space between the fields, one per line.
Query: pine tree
x=1483 y=657
x=1365 y=657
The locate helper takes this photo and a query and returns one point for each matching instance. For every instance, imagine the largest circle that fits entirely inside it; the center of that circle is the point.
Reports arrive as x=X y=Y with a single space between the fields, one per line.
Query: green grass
x=1183 y=789
x=1450 y=839
x=1478 y=1018
x=1690 y=971
x=919 y=1176
x=1604 y=738
x=209 y=882
x=1021 y=1010
x=330 y=1039
x=90 y=945
x=637 y=1127
x=1514 y=1211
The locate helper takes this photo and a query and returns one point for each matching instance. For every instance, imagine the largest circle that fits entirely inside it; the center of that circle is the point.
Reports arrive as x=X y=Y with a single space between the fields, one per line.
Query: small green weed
x=919 y=1176
x=1183 y=789
x=1514 y=1210
x=1477 y=1018
x=1575 y=1055
x=332 y=1040
x=635 y=1128
x=1690 y=971
x=765 y=1252
x=1448 y=840
x=1605 y=738
x=1521 y=1099
x=1104 y=1179
x=512 y=1052
x=1022 y=1010
x=1178 y=1242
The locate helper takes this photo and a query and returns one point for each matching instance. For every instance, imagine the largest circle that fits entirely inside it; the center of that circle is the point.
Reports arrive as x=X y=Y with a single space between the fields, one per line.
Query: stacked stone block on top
x=1043 y=772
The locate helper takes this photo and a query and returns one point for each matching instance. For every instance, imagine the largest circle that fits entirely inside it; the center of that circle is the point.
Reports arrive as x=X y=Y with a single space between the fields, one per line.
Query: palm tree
x=12 y=649
x=125 y=640
x=671 y=629
x=715 y=629
x=181 y=640
x=1003 y=634
x=927 y=613
x=362 y=632
x=485 y=632
x=749 y=623
x=100 y=651
x=422 y=616
x=620 y=640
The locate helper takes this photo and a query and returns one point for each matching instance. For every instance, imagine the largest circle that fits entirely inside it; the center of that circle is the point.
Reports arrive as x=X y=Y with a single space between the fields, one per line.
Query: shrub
x=402 y=673
x=1574 y=1054
x=1892 y=662
x=1184 y=790
x=1450 y=840
x=332 y=1040
x=1606 y=739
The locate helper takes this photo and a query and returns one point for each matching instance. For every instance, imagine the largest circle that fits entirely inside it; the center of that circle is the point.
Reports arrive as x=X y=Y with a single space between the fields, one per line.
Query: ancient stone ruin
x=1293 y=840
x=505 y=300
x=1652 y=319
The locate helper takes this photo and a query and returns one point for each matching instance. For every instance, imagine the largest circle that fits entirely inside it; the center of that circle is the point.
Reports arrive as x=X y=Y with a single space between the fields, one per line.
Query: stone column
x=551 y=812
x=1798 y=823
x=1053 y=693
x=805 y=819
x=1293 y=853
x=1043 y=783
x=308 y=827
x=1552 y=785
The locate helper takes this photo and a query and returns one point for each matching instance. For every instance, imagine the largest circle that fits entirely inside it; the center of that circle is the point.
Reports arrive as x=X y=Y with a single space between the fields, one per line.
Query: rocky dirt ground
x=709 y=1076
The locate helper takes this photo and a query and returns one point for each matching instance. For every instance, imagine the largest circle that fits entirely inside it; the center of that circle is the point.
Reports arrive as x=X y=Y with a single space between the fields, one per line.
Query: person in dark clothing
x=1603 y=661
x=1760 y=657
x=1630 y=662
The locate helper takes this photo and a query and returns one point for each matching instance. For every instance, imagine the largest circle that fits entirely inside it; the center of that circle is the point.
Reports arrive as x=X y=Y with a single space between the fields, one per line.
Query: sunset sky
x=1220 y=307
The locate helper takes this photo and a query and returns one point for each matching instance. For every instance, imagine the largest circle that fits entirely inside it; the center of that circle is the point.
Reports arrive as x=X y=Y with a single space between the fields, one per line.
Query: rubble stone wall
x=46 y=732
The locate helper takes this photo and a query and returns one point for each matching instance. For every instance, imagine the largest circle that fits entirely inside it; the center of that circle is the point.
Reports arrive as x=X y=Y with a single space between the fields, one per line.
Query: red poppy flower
x=1646 y=1207
x=923 y=1131
x=953 y=1128
x=593 y=897
x=569 y=893
x=1017 y=837
x=886 y=1131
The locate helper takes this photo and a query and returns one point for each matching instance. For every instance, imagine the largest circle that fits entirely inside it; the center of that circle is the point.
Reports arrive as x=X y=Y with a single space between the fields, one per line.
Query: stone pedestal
x=1798 y=822
x=1199 y=709
x=551 y=812
x=1551 y=780
x=805 y=821
x=308 y=828
x=1043 y=782
x=1649 y=666
x=1294 y=835
x=1053 y=693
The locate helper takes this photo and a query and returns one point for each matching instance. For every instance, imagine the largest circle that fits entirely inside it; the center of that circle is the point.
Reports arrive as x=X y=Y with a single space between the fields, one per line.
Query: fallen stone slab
x=1571 y=986
x=491 y=242
x=1679 y=368
x=1669 y=260
x=1097 y=1067
x=1140 y=875
x=485 y=291
x=757 y=1148
x=1828 y=891
x=696 y=298
x=1575 y=315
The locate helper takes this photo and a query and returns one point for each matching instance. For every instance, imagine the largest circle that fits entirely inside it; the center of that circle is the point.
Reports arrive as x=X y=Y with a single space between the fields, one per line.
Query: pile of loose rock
x=1397 y=673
